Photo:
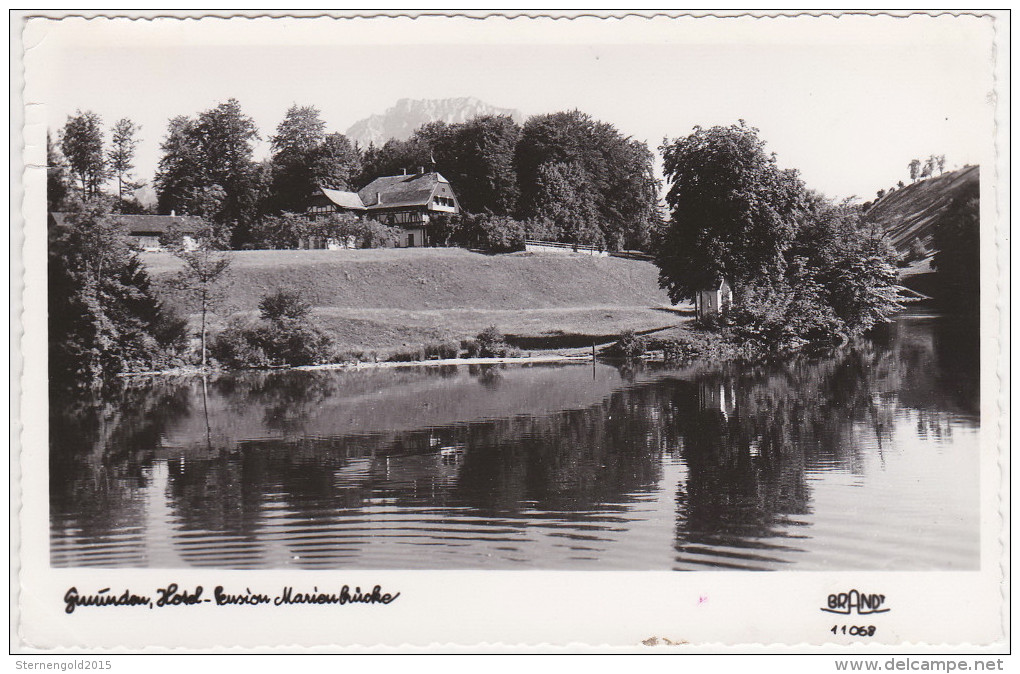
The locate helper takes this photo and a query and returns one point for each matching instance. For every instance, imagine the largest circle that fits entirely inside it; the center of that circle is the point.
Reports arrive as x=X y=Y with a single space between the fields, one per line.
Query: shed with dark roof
x=144 y=231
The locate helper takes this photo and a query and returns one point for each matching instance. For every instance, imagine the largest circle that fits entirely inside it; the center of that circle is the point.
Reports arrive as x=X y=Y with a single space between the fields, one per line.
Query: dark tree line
x=957 y=260
x=561 y=176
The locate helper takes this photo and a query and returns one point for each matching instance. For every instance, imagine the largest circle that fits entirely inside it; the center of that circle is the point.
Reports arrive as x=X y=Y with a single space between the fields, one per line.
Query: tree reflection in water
x=271 y=470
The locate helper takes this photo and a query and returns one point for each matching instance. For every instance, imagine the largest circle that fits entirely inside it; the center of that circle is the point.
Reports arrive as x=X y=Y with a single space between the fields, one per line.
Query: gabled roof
x=348 y=200
x=403 y=190
x=186 y=224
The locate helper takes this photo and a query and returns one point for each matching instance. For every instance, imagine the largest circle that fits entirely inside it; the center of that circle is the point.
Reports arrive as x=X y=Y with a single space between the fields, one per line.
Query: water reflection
x=796 y=465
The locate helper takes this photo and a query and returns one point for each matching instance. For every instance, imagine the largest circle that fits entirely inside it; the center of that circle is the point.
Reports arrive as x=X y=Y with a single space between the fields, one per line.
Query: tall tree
x=296 y=138
x=206 y=201
x=563 y=200
x=915 y=169
x=56 y=176
x=180 y=169
x=477 y=157
x=121 y=156
x=204 y=267
x=631 y=208
x=395 y=157
x=335 y=163
x=732 y=210
x=226 y=141
x=851 y=261
x=618 y=172
x=214 y=149
x=300 y=132
x=82 y=145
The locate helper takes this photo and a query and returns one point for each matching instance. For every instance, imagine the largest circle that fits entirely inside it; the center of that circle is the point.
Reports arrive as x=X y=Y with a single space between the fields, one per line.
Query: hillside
x=400 y=121
x=385 y=298
x=909 y=213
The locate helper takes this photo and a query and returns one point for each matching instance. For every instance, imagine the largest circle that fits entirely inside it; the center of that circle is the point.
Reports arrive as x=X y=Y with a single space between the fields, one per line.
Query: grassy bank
x=385 y=299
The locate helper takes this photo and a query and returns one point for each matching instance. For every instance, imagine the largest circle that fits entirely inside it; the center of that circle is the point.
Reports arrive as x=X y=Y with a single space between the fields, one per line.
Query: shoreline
x=573 y=355
x=518 y=360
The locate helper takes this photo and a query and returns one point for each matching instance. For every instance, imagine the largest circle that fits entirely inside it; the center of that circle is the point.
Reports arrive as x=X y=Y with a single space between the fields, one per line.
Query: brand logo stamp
x=855 y=601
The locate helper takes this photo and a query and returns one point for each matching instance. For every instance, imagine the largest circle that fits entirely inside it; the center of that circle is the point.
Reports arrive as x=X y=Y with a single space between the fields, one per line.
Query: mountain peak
x=407 y=114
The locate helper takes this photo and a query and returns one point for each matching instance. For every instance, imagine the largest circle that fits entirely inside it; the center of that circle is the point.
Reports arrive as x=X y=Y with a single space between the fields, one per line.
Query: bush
x=284 y=304
x=628 y=346
x=472 y=347
x=234 y=346
x=492 y=344
x=374 y=234
x=489 y=339
x=284 y=336
x=291 y=342
x=344 y=356
x=170 y=330
x=411 y=355
x=441 y=350
x=679 y=351
x=780 y=320
x=502 y=234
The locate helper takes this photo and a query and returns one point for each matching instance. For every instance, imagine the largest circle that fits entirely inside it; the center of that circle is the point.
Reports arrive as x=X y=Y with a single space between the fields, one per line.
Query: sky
x=847 y=101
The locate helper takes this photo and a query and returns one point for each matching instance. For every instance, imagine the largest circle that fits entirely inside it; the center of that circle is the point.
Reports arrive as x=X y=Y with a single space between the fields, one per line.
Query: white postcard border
x=696 y=611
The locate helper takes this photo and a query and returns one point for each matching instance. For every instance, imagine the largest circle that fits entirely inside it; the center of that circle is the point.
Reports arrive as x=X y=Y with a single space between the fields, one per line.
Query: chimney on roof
x=173 y=213
x=403 y=171
x=421 y=170
x=378 y=198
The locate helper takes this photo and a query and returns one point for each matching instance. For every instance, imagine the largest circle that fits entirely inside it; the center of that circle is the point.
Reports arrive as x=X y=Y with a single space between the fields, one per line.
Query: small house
x=145 y=231
x=407 y=201
x=714 y=300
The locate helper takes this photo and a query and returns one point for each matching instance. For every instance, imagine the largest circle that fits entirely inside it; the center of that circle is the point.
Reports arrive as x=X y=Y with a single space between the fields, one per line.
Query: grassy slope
x=384 y=299
x=911 y=212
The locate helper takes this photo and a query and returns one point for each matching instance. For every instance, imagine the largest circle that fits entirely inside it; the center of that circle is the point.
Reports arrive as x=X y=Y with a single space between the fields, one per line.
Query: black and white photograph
x=708 y=296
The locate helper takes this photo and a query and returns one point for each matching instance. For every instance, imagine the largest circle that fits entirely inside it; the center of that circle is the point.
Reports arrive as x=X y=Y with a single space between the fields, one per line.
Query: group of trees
x=802 y=267
x=562 y=176
x=80 y=161
x=924 y=169
x=104 y=316
x=304 y=157
x=207 y=168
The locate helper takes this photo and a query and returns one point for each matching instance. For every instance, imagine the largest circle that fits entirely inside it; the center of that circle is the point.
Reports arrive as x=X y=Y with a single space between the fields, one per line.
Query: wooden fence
x=556 y=247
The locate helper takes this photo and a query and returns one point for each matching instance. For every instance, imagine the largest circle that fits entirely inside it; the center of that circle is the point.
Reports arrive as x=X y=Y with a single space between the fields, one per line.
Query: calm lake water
x=865 y=459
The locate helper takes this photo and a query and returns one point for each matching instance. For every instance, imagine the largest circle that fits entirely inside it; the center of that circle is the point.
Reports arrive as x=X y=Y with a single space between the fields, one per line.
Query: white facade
x=713 y=301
